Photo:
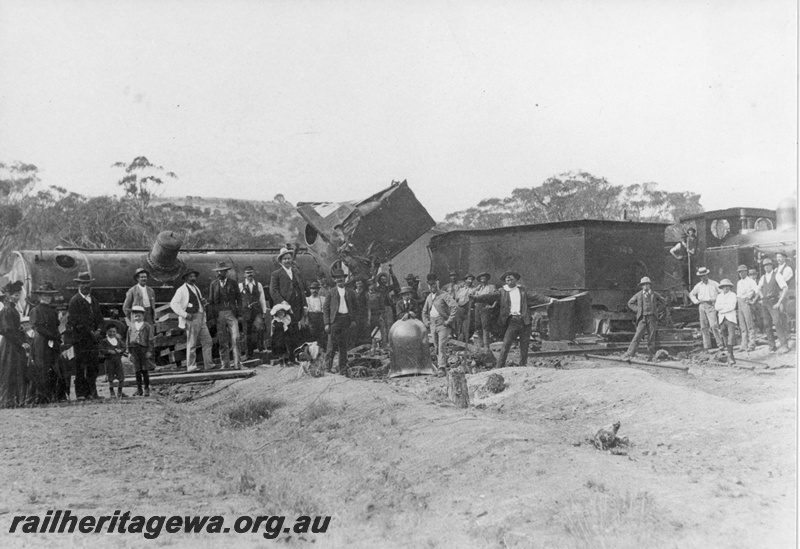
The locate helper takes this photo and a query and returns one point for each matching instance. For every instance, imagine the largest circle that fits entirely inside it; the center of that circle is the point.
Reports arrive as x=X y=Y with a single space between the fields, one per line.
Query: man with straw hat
x=190 y=306
x=746 y=294
x=85 y=321
x=705 y=295
x=725 y=305
x=645 y=304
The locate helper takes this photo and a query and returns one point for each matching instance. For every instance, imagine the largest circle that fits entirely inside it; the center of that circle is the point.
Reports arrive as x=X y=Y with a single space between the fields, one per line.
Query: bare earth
x=712 y=461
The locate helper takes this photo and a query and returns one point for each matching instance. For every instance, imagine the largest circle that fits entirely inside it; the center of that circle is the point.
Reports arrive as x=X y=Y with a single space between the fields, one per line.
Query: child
x=111 y=349
x=140 y=347
x=282 y=340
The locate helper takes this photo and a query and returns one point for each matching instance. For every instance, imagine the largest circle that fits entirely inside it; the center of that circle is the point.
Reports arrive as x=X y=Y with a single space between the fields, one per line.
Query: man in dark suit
x=85 y=320
x=406 y=308
x=339 y=313
x=515 y=315
x=286 y=286
x=645 y=304
x=224 y=305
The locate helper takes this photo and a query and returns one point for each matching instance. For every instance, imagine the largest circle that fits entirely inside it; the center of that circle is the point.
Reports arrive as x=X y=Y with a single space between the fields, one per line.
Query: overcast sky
x=332 y=100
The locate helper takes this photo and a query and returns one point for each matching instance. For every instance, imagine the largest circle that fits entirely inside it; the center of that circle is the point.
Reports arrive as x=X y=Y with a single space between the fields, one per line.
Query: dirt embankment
x=712 y=462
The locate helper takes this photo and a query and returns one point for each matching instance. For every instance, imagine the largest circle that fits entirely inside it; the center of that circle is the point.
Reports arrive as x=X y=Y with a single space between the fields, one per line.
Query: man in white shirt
x=783 y=268
x=316 y=319
x=339 y=312
x=725 y=305
x=142 y=295
x=439 y=315
x=190 y=306
x=746 y=293
x=773 y=291
x=705 y=294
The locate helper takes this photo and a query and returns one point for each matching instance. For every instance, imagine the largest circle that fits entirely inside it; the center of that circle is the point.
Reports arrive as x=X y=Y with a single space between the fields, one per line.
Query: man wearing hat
x=224 y=306
x=406 y=307
x=746 y=293
x=254 y=309
x=316 y=320
x=439 y=315
x=85 y=321
x=452 y=286
x=725 y=306
x=783 y=268
x=773 y=291
x=463 y=293
x=339 y=313
x=483 y=311
x=50 y=382
x=190 y=306
x=705 y=294
x=286 y=286
x=142 y=295
x=515 y=315
x=685 y=251
x=645 y=304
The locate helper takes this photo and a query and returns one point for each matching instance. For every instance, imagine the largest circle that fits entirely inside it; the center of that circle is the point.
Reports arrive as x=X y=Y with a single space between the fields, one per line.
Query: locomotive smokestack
x=786 y=214
x=164 y=255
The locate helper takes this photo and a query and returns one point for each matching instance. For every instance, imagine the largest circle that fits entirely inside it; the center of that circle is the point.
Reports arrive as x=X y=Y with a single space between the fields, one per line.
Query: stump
x=457 y=391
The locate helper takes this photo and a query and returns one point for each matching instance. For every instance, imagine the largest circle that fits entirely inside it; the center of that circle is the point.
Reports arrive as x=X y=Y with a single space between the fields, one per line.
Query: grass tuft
x=245 y=414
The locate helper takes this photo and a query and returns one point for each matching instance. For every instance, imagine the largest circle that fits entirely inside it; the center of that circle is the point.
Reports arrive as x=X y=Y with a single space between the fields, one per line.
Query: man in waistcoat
x=254 y=309
x=339 y=312
x=746 y=294
x=773 y=290
x=190 y=306
x=224 y=305
x=439 y=315
x=645 y=304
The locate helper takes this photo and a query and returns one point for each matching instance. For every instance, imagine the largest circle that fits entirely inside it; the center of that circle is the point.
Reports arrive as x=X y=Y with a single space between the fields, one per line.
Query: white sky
x=331 y=100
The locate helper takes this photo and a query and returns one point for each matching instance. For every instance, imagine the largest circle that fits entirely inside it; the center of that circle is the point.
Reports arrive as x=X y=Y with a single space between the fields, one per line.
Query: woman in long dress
x=14 y=385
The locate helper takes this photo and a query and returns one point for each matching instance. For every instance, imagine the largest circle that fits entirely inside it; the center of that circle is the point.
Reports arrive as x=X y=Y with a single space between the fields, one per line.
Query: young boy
x=140 y=347
x=112 y=348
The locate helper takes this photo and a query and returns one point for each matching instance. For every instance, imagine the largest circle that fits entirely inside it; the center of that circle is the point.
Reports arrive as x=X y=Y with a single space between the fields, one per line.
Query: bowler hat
x=512 y=273
x=742 y=268
x=725 y=282
x=314 y=285
x=406 y=290
x=411 y=277
x=248 y=269
x=283 y=252
x=337 y=273
x=140 y=271
x=190 y=271
x=484 y=274
x=702 y=271
x=46 y=288
x=221 y=266
x=645 y=280
x=432 y=277
x=751 y=271
x=84 y=277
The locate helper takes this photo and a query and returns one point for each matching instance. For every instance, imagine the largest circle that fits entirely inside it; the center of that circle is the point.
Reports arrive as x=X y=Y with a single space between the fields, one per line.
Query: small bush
x=251 y=412
x=317 y=409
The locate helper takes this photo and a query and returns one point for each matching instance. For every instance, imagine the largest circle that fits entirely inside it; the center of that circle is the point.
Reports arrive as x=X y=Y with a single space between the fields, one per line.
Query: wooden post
x=457 y=391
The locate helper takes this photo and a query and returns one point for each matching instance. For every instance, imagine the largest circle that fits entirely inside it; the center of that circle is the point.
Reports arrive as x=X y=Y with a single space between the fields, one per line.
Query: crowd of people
x=36 y=353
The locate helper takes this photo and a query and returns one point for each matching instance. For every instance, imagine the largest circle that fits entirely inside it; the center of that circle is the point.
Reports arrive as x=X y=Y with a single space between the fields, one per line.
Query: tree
x=576 y=195
x=17 y=181
x=141 y=180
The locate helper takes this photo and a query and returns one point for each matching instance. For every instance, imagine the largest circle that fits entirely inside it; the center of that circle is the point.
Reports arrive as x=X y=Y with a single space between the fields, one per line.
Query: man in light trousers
x=705 y=294
x=190 y=306
x=439 y=315
x=746 y=293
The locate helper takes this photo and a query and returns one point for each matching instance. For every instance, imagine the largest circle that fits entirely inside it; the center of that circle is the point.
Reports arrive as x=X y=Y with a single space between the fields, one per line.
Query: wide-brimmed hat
x=725 y=282
x=782 y=252
x=382 y=275
x=468 y=275
x=280 y=307
x=515 y=274
x=486 y=274
x=283 y=252
x=120 y=326
x=140 y=271
x=46 y=288
x=190 y=271
x=645 y=280
x=742 y=268
x=314 y=285
x=702 y=271
x=222 y=266
x=84 y=277
x=767 y=261
x=431 y=277
x=137 y=309
x=338 y=273
x=406 y=290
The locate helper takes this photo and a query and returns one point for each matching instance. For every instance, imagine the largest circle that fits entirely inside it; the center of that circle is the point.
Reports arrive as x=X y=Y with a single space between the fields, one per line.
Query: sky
x=465 y=99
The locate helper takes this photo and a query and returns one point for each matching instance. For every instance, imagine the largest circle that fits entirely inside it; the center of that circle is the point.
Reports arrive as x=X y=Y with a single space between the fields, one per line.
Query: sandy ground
x=712 y=461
